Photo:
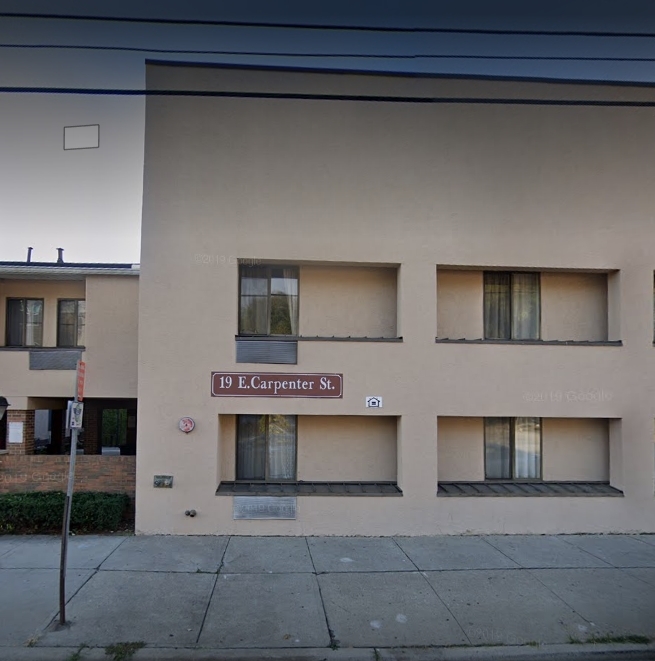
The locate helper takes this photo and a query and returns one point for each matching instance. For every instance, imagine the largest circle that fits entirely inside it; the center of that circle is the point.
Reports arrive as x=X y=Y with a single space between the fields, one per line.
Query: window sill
x=42 y=348
x=504 y=489
x=314 y=338
x=574 y=343
x=234 y=488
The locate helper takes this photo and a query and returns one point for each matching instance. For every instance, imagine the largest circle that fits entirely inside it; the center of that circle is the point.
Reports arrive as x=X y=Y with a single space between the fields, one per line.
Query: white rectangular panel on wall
x=82 y=137
x=264 y=507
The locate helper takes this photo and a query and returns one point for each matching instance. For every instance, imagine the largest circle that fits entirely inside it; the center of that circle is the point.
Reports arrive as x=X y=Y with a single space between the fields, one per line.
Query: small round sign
x=186 y=425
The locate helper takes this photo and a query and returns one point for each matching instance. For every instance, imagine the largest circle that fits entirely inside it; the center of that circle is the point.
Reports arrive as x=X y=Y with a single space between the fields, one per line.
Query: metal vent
x=278 y=352
x=54 y=360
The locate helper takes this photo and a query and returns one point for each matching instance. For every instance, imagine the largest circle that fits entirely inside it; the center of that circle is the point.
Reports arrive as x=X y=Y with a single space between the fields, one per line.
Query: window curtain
x=525 y=306
x=15 y=320
x=66 y=333
x=251 y=447
x=34 y=324
x=81 y=322
x=497 y=305
x=497 y=448
x=254 y=301
x=527 y=448
x=282 y=447
x=284 y=301
x=291 y=290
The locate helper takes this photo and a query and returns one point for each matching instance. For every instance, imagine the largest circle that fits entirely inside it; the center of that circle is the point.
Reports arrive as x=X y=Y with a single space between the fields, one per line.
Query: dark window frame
x=266 y=479
x=24 y=323
x=512 y=448
x=511 y=275
x=269 y=268
x=77 y=312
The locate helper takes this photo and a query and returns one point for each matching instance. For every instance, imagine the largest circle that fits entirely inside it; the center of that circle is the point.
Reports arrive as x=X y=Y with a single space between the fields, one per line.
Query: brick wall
x=21 y=473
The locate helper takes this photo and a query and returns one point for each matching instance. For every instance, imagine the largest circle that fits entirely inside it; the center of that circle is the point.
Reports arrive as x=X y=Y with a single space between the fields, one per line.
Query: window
x=269 y=300
x=511 y=306
x=70 y=323
x=266 y=447
x=512 y=448
x=24 y=322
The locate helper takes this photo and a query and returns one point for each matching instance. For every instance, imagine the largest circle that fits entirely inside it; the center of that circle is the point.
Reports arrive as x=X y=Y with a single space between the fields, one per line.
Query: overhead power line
x=326 y=27
x=259 y=53
x=608 y=103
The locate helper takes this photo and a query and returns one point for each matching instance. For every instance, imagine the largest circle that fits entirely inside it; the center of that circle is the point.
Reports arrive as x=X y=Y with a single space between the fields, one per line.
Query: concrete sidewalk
x=330 y=597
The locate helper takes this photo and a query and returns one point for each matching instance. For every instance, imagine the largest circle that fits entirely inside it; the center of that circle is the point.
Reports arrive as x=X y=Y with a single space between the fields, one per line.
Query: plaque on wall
x=274 y=384
x=264 y=507
x=14 y=432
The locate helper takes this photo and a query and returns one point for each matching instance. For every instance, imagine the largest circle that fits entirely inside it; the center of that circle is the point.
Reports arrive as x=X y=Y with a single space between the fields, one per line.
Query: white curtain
x=251 y=447
x=34 y=324
x=253 y=319
x=290 y=284
x=266 y=447
x=496 y=306
x=527 y=448
x=497 y=448
x=525 y=306
x=282 y=447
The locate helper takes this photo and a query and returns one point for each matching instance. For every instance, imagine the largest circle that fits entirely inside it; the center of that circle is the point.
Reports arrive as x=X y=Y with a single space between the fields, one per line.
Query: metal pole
x=66 y=527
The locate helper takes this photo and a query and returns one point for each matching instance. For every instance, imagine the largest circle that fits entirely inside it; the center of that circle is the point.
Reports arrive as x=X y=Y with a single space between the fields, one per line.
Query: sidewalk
x=320 y=597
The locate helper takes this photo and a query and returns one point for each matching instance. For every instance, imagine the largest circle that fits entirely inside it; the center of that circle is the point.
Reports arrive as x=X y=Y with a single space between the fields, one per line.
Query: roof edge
x=67 y=269
x=397 y=74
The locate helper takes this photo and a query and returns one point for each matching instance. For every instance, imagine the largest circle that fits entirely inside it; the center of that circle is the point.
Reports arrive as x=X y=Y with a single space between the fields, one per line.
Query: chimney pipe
x=60 y=256
x=29 y=254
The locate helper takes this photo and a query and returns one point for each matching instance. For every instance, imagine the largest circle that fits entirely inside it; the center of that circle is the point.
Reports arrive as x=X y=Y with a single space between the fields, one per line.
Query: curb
x=584 y=652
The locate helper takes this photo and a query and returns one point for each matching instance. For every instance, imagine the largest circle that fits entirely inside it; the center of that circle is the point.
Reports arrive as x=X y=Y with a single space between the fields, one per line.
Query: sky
x=88 y=201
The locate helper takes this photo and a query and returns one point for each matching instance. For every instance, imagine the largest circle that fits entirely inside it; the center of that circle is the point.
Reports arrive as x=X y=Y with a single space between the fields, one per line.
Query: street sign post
x=74 y=421
x=81 y=376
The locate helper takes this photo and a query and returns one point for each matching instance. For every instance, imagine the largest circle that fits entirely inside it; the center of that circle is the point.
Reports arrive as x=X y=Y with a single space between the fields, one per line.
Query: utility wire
x=440 y=56
x=609 y=103
x=327 y=27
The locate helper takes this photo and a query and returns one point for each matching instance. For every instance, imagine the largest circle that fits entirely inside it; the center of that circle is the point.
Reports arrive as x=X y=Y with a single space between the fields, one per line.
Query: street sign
x=276 y=384
x=77 y=412
x=81 y=373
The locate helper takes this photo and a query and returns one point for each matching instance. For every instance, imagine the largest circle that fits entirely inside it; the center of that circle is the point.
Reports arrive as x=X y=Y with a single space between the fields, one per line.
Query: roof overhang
x=32 y=271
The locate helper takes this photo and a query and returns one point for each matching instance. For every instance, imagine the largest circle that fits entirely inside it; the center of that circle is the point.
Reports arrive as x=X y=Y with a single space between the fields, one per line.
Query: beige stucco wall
x=460 y=297
x=18 y=382
x=112 y=309
x=460 y=449
x=419 y=185
x=49 y=291
x=359 y=448
x=347 y=448
x=574 y=306
x=575 y=449
x=347 y=301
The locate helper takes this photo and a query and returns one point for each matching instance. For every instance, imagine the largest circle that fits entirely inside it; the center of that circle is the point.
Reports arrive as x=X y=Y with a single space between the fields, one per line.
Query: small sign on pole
x=75 y=415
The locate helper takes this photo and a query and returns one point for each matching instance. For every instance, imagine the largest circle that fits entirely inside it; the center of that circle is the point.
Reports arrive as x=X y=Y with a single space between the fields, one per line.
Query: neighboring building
x=53 y=314
x=373 y=305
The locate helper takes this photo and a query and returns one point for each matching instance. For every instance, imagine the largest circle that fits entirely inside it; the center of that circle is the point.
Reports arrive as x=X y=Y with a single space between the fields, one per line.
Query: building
x=52 y=315
x=383 y=304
